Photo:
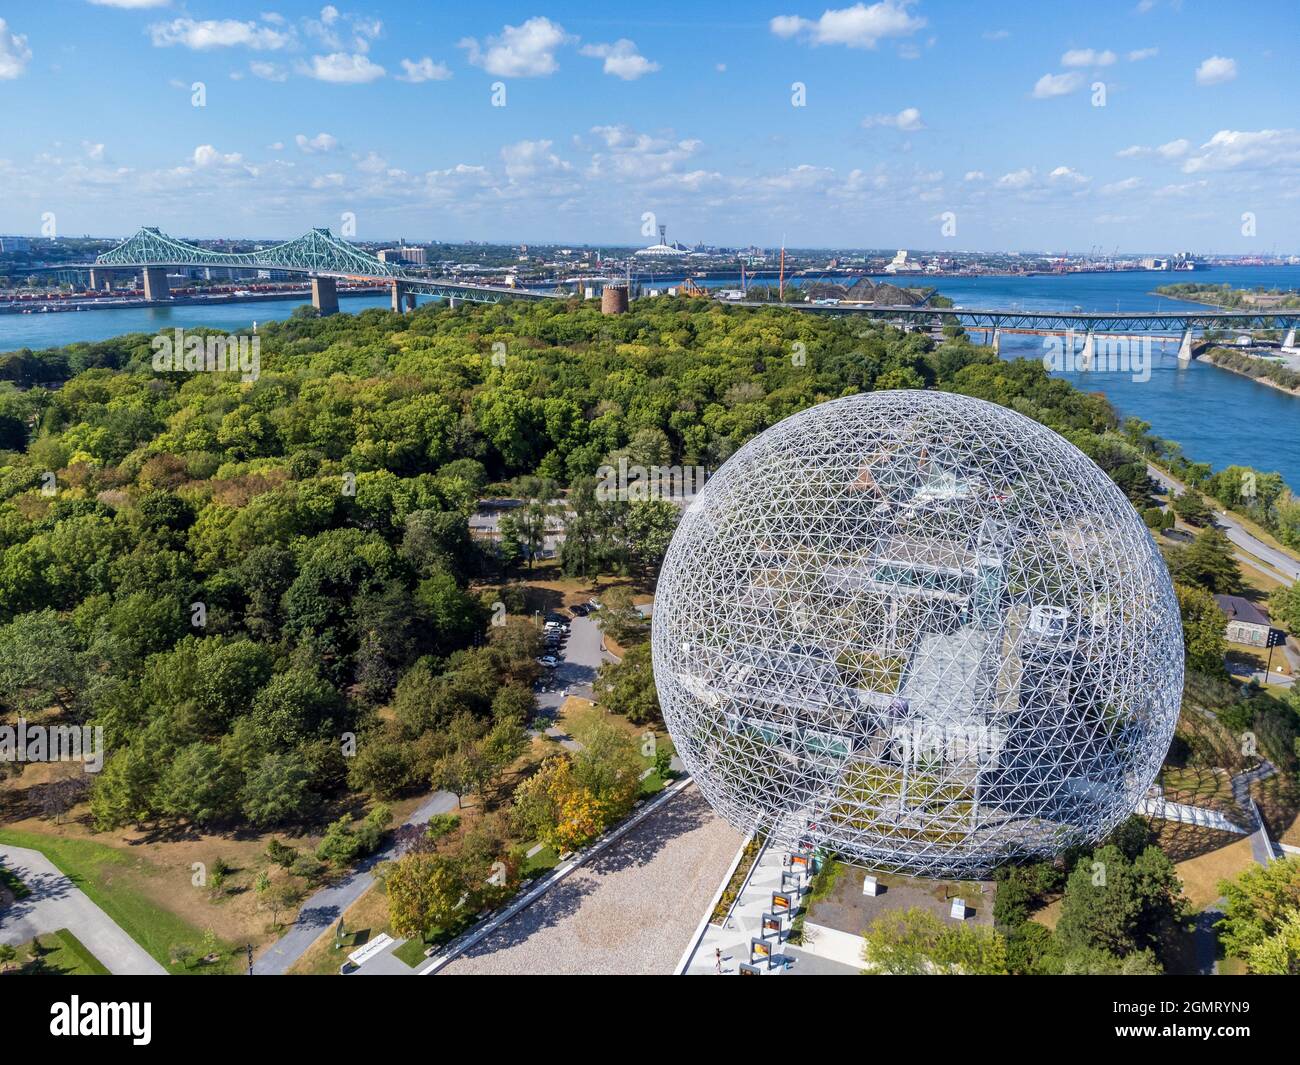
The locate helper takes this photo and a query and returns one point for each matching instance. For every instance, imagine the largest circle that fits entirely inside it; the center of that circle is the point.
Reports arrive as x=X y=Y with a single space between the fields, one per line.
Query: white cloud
x=1088 y=57
x=207 y=156
x=322 y=142
x=130 y=4
x=1231 y=149
x=1170 y=150
x=996 y=35
x=1050 y=85
x=621 y=59
x=1139 y=54
x=526 y=51
x=1016 y=179
x=973 y=175
x=1127 y=185
x=372 y=164
x=217 y=33
x=93 y=152
x=525 y=159
x=268 y=71
x=14 y=53
x=329 y=14
x=342 y=68
x=633 y=156
x=908 y=119
x=425 y=69
x=1216 y=70
x=1068 y=174
x=859 y=26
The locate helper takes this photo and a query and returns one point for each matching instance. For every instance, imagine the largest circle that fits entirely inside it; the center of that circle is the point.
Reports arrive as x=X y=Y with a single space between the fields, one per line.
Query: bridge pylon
x=1289 y=340
x=1089 y=351
x=1185 y=348
x=155 y=283
x=324 y=295
x=996 y=342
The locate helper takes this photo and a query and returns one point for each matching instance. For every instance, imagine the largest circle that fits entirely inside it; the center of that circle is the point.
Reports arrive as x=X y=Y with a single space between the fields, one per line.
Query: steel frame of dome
x=918 y=630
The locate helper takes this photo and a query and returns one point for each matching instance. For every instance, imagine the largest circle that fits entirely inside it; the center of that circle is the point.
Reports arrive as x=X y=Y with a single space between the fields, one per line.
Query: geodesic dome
x=918 y=630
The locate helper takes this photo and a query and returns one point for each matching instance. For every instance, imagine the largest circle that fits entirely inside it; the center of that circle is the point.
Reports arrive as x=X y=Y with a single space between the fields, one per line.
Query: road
x=1285 y=564
x=326 y=906
x=56 y=902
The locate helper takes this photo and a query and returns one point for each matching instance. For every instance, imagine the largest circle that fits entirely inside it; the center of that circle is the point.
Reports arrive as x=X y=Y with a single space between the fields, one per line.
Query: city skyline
x=1155 y=126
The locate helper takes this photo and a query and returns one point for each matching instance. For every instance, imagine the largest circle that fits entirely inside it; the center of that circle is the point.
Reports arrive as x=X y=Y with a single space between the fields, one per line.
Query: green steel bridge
x=319 y=254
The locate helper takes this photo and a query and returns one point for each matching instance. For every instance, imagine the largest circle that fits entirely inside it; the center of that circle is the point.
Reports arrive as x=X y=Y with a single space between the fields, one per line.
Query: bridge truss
x=318 y=252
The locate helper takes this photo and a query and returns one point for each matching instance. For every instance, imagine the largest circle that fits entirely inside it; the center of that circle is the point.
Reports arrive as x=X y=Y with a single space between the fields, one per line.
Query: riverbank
x=1221 y=363
x=127 y=303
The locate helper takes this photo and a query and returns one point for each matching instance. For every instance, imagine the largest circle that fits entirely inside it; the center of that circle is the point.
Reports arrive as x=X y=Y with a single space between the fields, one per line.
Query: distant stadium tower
x=921 y=631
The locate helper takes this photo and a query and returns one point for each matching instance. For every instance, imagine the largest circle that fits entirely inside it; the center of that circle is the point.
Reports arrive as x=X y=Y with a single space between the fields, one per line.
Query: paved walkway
x=326 y=906
x=743 y=923
x=56 y=902
x=1187 y=815
x=629 y=909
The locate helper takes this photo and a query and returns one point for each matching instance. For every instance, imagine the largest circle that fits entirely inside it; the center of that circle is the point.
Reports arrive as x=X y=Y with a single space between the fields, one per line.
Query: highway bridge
x=1083 y=323
x=325 y=258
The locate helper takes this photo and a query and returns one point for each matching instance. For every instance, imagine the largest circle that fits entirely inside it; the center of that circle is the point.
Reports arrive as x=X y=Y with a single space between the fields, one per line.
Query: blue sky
x=912 y=113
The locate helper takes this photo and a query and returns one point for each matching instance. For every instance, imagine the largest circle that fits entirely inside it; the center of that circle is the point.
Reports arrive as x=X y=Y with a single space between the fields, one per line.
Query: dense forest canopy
x=229 y=575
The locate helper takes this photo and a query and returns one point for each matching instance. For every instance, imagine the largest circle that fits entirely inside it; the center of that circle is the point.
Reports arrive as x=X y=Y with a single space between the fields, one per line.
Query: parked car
x=594 y=604
x=581 y=610
x=549 y=661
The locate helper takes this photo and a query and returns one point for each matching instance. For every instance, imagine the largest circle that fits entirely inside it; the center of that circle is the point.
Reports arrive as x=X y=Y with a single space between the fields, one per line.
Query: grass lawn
x=411 y=952
x=1198 y=786
x=98 y=870
x=1256 y=658
x=58 y=954
x=543 y=861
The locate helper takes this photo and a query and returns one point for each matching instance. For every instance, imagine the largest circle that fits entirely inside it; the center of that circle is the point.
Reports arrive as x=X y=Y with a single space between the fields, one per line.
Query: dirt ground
x=1201 y=875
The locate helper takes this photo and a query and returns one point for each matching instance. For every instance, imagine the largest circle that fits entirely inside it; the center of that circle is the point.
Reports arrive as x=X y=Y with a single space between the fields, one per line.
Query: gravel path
x=632 y=909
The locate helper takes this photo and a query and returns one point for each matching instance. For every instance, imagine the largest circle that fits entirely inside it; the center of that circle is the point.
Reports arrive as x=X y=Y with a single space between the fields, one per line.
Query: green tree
x=628 y=688
x=915 y=942
x=1208 y=561
x=1203 y=630
x=1260 y=915
x=278 y=790
x=1117 y=905
x=424 y=892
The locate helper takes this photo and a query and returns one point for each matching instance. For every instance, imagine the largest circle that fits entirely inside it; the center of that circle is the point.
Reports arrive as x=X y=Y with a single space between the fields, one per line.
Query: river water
x=1218 y=416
